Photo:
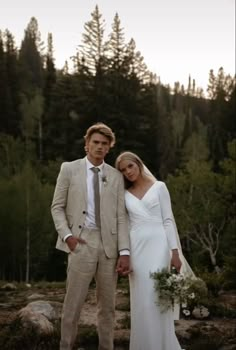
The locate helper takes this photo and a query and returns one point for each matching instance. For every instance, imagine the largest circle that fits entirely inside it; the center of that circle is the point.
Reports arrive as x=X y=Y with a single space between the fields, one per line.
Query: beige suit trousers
x=88 y=261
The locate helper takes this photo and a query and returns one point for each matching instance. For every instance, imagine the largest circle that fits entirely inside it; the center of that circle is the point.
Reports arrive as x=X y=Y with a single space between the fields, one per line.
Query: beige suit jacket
x=69 y=207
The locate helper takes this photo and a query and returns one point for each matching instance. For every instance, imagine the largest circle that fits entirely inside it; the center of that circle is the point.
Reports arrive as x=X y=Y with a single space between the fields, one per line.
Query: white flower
x=186 y=312
x=179 y=277
x=191 y=296
x=104 y=180
x=176 y=289
x=175 y=278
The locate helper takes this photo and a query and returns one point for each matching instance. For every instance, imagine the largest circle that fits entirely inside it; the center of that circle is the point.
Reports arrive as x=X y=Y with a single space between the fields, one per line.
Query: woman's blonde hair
x=130 y=156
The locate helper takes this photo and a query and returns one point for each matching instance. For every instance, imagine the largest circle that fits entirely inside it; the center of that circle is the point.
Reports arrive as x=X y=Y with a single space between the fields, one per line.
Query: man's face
x=97 y=147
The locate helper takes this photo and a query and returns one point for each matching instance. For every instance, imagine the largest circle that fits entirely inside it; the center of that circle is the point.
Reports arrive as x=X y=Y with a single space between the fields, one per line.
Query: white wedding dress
x=152 y=235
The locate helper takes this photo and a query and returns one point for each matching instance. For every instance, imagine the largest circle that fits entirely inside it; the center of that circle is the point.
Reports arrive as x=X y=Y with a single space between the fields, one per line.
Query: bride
x=154 y=245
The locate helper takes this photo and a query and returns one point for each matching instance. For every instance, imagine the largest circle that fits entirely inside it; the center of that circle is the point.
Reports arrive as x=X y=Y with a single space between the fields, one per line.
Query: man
x=89 y=214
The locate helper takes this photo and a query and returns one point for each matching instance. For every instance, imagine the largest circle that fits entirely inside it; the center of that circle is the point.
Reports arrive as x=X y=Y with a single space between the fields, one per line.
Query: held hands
x=123 y=265
x=175 y=260
x=73 y=241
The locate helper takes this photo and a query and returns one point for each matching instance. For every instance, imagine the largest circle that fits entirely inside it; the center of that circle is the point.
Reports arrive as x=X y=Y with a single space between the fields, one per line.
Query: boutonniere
x=104 y=180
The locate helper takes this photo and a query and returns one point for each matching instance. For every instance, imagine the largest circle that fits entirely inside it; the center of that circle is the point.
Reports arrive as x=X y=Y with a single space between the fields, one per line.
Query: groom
x=89 y=214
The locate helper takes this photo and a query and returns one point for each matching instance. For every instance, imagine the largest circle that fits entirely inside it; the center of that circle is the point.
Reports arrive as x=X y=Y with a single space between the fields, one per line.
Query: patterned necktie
x=96 y=196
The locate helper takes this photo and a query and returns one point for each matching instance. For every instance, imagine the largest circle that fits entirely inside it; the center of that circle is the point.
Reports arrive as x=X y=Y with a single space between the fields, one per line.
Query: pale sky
x=176 y=37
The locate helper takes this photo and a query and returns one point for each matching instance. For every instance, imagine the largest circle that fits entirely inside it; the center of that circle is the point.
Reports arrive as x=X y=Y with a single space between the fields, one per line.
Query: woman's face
x=130 y=170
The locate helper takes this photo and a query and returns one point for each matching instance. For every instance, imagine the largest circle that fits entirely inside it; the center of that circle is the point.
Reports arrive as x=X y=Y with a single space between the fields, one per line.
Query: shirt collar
x=89 y=165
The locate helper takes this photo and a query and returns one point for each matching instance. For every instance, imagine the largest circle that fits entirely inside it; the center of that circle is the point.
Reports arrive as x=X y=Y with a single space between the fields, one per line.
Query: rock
x=35 y=320
x=184 y=334
x=184 y=328
x=9 y=286
x=200 y=312
x=51 y=310
x=228 y=347
x=40 y=315
x=35 y=296
x=227 y=299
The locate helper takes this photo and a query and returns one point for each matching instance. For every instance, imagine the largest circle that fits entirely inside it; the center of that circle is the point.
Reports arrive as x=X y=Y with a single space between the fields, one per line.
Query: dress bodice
x=145 y=209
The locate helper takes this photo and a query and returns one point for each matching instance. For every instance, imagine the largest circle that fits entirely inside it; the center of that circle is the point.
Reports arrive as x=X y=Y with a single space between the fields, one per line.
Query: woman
x=154 y=245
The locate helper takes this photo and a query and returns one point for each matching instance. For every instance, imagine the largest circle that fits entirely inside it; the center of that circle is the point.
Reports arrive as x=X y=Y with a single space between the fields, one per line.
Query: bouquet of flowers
x=173 y=288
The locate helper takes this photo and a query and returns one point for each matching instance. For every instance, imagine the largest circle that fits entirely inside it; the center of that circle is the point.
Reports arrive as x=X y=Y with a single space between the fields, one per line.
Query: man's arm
x=59 y=202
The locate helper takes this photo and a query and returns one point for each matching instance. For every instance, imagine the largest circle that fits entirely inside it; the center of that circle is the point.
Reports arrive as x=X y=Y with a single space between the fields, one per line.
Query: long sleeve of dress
x=167 y=216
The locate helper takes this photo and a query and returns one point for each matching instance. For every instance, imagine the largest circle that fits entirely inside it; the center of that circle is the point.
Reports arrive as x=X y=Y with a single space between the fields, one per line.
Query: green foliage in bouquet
x=174 y=289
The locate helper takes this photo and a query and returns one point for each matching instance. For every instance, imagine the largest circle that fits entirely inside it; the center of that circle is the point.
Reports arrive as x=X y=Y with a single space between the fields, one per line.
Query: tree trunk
x=27 y=225
x=40 y=139
x=213 y=261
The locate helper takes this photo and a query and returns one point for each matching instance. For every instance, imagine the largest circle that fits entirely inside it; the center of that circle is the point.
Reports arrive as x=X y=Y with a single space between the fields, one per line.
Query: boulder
x=200 y=312
x=40 y=315
x=9 y=286
x=35 y=296
x=37 y=321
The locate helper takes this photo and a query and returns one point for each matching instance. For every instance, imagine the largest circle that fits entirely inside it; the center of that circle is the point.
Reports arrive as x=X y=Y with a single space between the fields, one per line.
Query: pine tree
x=50 y=73
x=4 y=89
x=115 y=46
x=92 y=47
x=13 y=113
x=49 y=85
x=220 y=90
x=135 y=60
x=31 y=60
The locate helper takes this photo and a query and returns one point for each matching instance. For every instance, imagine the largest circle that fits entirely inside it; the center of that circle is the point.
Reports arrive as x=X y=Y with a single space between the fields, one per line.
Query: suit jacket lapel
x=83 y=174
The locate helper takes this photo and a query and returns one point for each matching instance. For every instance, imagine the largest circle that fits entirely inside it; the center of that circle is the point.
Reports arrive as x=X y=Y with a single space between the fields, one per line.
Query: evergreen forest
x=185 y=136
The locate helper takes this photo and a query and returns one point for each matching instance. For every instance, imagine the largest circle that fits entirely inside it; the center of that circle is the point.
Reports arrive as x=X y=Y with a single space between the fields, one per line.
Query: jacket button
x=80 y=226
x=84 y=212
